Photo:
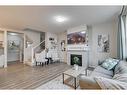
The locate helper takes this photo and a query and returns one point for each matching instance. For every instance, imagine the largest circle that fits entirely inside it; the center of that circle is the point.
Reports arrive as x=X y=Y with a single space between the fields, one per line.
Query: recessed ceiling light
x=60 y=19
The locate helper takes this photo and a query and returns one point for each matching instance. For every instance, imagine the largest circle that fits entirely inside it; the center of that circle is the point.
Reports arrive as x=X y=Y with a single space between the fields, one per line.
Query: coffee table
x=73 y=74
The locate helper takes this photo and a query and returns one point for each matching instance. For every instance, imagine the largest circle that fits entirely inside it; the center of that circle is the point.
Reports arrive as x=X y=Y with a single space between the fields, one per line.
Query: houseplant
x=76 y=61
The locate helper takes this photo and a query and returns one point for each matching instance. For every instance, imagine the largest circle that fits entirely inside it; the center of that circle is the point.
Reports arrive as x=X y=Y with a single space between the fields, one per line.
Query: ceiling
x=41 y=18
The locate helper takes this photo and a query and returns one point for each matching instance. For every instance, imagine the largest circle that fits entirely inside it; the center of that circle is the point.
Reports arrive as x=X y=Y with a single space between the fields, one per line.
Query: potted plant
x=76 y=61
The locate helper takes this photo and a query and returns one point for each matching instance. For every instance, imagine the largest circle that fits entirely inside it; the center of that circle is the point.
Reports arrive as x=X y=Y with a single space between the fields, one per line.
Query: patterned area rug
x=56 y=84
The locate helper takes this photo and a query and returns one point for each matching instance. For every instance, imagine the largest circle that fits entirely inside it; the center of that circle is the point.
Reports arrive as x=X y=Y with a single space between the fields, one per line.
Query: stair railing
x=38 y=48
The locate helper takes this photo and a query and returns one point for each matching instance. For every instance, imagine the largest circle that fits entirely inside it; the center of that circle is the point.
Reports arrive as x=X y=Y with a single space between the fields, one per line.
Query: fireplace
x=74 y=58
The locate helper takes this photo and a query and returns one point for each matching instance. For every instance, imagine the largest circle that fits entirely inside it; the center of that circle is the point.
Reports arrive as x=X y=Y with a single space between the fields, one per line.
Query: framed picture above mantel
x=77 y=38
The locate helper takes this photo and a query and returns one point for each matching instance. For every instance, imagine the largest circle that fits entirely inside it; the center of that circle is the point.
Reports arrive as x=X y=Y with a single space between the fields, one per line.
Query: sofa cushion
x=121 y=68
x=109 y=63
x=120 y=77
x=99 y=74
x=103 y=70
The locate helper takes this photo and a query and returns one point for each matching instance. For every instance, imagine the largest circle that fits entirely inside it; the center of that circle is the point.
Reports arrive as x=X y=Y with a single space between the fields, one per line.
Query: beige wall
x=103 y=28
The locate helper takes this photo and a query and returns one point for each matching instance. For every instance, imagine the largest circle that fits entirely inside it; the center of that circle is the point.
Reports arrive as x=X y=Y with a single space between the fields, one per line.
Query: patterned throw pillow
x=109 y=63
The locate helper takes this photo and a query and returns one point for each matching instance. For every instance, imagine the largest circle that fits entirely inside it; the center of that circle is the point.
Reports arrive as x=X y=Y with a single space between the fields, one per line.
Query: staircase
x=31 y=50
x=37 y=50
x=37 y=54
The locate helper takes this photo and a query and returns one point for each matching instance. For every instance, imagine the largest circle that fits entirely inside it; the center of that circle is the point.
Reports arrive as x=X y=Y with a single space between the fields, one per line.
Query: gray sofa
x=88 y=82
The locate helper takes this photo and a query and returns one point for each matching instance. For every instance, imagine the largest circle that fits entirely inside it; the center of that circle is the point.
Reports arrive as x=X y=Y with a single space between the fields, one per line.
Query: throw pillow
x=109 y=63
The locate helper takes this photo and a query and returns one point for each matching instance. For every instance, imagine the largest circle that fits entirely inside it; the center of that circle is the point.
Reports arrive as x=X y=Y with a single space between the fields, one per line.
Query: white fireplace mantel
x=78 y=49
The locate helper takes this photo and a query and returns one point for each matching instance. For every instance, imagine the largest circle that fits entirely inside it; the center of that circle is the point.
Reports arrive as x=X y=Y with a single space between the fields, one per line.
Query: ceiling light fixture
x=60 y=19
x=13 y=34
x=83 y=32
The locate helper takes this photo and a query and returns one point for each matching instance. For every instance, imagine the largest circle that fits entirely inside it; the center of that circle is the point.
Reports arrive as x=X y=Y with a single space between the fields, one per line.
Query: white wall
x=63 y=54
x=50 y=35
x=34 y=36
x=103 y=28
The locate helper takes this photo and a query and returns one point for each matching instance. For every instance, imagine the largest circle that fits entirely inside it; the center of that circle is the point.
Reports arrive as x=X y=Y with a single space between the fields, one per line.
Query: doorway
x=15 y=48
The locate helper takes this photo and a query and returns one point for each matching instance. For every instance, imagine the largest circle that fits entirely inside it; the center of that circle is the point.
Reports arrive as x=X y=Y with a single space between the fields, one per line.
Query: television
x=76 y=38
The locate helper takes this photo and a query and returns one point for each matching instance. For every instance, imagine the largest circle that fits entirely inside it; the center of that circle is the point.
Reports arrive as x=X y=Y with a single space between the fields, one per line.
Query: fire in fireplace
x=76 y=59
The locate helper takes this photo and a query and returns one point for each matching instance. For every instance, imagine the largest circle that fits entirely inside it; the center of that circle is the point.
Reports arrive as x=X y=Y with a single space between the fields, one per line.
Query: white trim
x=5 y=48
x=5 y=43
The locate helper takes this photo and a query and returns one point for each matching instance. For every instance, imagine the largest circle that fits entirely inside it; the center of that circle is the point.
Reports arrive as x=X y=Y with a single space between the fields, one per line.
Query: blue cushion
x=109 y=63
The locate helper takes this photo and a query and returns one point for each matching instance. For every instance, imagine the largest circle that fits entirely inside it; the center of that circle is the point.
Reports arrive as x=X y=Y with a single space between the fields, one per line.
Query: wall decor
x=103 y=43
x=51 y=39
x=63 y=45
x=77 y=38
x=13 y=45
x=53 y=45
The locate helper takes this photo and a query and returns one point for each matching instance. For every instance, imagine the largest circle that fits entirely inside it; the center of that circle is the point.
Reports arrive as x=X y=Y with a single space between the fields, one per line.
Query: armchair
x=40 y=58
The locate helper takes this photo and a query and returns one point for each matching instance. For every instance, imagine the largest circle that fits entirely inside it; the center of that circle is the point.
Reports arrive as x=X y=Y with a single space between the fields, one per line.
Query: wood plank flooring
x=19 y=76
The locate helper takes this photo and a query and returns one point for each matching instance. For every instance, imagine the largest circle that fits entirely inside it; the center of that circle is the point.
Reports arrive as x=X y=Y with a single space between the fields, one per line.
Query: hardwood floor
x=19 y=76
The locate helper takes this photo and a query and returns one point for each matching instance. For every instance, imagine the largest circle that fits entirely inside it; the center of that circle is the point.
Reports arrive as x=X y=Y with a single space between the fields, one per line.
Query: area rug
x=56 y=84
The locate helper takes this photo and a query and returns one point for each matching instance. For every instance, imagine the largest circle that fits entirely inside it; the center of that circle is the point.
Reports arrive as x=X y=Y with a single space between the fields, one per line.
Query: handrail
x=38 y=44
x=33 y=48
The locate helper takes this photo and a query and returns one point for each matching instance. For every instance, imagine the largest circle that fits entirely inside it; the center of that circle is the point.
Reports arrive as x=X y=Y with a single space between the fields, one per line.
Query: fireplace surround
x=82 y=53
x=79 y=50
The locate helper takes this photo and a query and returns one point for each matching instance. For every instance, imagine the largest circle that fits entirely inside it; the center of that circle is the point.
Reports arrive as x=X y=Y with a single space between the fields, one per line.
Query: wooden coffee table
x=73 y=75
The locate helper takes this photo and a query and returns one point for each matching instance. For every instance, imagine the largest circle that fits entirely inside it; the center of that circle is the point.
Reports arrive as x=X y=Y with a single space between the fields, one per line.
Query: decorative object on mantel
x=103 y=43
x=75 y=66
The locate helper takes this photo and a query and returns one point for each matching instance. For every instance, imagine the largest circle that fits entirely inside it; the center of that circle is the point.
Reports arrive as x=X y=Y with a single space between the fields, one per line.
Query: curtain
x=122 y=37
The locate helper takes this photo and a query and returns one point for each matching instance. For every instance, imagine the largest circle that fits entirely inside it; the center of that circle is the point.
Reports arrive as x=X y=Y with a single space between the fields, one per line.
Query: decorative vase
x=75 y=66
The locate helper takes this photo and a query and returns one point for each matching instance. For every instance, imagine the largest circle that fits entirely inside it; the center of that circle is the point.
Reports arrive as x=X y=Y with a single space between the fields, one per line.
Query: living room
x=55 y=39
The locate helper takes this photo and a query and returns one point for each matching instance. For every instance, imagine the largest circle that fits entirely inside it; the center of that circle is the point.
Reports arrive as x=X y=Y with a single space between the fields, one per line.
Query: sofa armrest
x=86 y=82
